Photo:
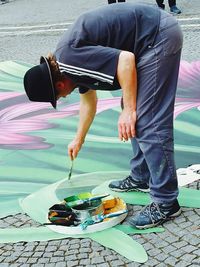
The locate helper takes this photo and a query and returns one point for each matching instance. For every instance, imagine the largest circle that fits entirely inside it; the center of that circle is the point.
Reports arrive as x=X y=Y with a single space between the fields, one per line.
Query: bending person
x=142 y=58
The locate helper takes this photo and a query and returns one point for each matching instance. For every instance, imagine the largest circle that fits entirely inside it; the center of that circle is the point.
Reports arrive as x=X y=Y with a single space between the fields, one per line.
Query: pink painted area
x=188 y=93
x=19 y=119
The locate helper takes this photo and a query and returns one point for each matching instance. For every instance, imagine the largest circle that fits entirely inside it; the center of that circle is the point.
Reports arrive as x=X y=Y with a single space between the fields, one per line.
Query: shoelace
x=153 y=212
x=126 y=183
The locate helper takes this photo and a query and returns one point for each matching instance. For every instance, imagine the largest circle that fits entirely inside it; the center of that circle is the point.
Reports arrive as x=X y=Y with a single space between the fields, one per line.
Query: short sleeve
x=94 y=61
x=83 y=90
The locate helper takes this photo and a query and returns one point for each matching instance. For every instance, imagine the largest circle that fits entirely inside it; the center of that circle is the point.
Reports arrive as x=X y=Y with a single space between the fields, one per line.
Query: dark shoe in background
x=128 y=184
x=4 y=1
x=155 y=214
x=175 y=10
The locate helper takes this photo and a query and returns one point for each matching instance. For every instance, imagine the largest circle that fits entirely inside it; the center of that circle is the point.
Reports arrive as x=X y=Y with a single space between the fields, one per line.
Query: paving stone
x=47 y=254
x=82 y=256
x=197 y=252
x=10 y=259
x=180 y=244
x=6 y=253
x=85 y=262
x=117 y=263
x=152 y=262
x=148 y=246
x=105 y=252
x=59 y=253
x=171 y=239
x=85 y=245
x=72 y=251
x=44 y=260
x=103 y=264
x=38 y=254
x=161 y=257
x=32 y=260
x=85 y=250
x=63 y=247
x=133 y=264
x=61 y=264
x=70 y=257
x=98 y=248
x=177 y=253
x=50 y=265
x=185 y=224
x=154 y=252
x=162 y=265
x=40 y=248
x=74 y=246
x=189 y=248
x=27 y=254
x=196 y=261
x=192 y=239
x=110 y=258
x=97 y=260
x=72 y=263
x=188 y=257
x=182 y=264
x=74 y=241
x=171 y=261
x=29 y=248
x=57 y=259
x=51 y=248
x=8 y=247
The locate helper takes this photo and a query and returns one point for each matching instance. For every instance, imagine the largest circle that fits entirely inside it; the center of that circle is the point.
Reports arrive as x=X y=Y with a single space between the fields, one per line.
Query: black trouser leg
x=160 y=3
x=172 y=3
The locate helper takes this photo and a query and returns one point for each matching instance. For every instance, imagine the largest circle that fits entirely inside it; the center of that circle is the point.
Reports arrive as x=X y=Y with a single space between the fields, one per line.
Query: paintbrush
x=70 y=170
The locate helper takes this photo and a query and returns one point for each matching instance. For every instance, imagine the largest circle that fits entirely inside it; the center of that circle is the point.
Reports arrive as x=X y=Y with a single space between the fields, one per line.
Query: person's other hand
x=126 y=124
x=73 y=148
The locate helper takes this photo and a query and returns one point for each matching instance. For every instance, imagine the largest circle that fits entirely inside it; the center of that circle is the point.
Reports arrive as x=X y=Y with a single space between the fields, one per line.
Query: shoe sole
x=173 y=13
x=130 y=190
x=171 y=217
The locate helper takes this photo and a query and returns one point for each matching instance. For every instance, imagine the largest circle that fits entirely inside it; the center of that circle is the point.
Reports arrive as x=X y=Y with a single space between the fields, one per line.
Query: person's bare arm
x=127 y=78
x=88 y=104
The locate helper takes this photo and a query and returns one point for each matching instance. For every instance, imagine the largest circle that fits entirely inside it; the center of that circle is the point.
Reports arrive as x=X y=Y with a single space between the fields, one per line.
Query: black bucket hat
x=38 y=83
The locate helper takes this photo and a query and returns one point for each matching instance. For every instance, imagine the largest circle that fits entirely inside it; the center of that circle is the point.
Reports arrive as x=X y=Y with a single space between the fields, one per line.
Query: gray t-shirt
x=88 y=52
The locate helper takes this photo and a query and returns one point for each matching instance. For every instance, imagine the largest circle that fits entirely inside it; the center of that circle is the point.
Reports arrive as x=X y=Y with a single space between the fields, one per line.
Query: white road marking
x=61 y=27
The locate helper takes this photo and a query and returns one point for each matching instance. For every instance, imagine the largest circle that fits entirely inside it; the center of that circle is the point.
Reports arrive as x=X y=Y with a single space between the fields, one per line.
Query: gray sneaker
x=128 y=184
x=155 y=214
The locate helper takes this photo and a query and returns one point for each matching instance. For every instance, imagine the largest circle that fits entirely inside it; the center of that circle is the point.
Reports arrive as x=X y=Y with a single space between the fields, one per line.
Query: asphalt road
x=31 y=28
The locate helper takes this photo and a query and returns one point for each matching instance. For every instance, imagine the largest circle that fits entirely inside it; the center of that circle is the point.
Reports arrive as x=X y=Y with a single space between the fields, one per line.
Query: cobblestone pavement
x=178 y=246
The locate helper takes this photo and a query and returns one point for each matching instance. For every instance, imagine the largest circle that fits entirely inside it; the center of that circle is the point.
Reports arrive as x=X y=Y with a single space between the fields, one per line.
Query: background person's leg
x=173 y=8
x=160 y=3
